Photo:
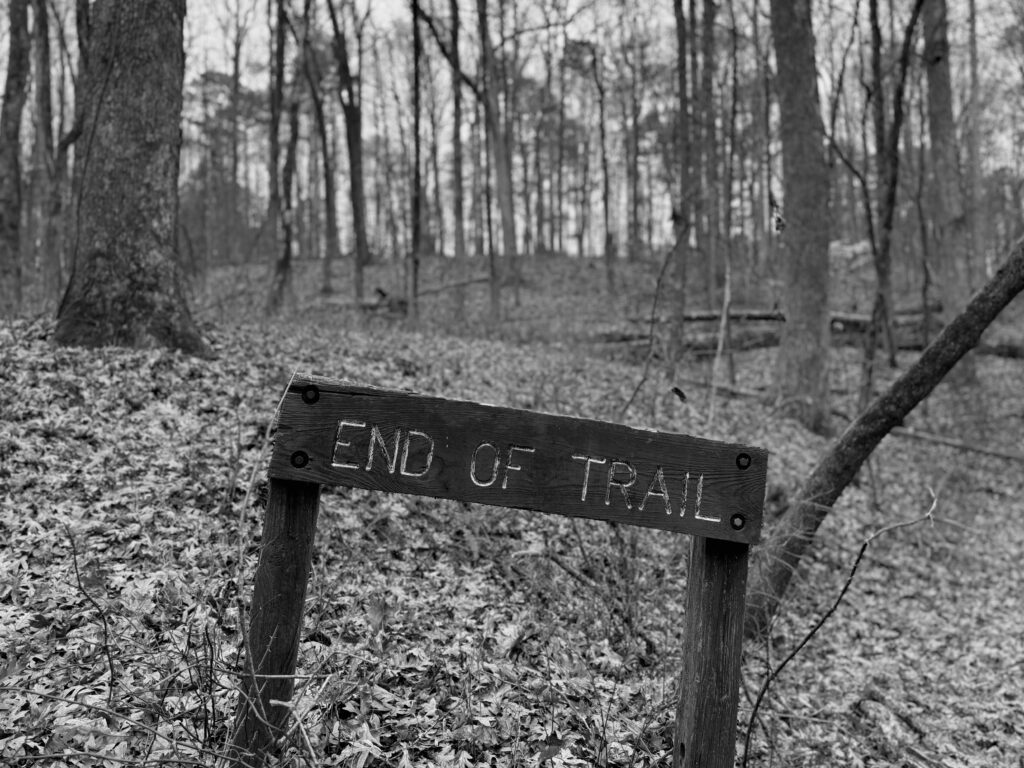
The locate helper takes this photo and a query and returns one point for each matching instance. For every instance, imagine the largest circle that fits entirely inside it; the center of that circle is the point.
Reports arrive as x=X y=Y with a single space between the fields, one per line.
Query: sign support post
x=331 y=432
x=275 y=620
x=709 y=683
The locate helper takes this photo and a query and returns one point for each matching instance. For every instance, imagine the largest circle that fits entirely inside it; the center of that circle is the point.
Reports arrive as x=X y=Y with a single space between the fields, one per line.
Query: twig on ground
x=113 y=716
x=103 y=618
x=770 y=678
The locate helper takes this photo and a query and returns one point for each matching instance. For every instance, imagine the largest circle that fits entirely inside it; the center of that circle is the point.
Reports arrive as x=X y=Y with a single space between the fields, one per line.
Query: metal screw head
x=743 y=460
x=300 y=459
x=737 y=522
x=310 y=394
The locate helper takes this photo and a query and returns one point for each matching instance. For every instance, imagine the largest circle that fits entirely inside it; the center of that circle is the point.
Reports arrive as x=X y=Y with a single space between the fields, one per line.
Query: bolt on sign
x=334 y=433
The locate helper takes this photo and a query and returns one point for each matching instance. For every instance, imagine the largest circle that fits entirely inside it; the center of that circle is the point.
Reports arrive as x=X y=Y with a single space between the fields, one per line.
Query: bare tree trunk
x=978 y=247
x=275 y=213
x=777 y=559
x=499 y=149
x=583 y=194
x=709 y=150
x=417 y=181
x=125 y=286
x=801 y=375
x=606 y=193
x=477 y=184
x=457 y=202
x=949 y=221
x=47 y=180
x=557 y=204
x=632 y=102
x=435 y=213
x=682 y=211
x=887 y=163
x=351 y=107
x=314 y=80
x=10 y=159
x=281 y=285
x=277 y=21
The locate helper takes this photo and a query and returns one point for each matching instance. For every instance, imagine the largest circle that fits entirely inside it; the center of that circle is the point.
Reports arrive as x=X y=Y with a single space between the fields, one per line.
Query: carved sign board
x=335 y=433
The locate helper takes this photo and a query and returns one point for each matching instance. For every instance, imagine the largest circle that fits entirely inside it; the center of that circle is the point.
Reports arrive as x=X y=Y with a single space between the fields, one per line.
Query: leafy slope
x=443 y=634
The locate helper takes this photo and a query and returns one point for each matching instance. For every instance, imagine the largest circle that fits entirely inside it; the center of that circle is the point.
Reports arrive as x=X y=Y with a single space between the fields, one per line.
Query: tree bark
x=277 y=21
x=709 y=224
x=499 y=150
x=681 y=210
x=352 y=110
x=125 y=286
x=974 y=175
x=606 y=191
x=47 y=180
x=887 y=172
x=801 y=374
x=949 y=219
x=281 y=285
x=314 y=79
x=461 y=267
x=416 y=204
x=10 y=159
x=777 y=558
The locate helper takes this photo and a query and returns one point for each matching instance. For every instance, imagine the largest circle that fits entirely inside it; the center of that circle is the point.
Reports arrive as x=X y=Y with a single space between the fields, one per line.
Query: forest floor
x=444 y=634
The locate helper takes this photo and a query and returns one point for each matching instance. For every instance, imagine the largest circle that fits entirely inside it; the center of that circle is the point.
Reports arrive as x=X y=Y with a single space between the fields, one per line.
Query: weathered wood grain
x=275 y=621
x=709 y=682
x=334 y=433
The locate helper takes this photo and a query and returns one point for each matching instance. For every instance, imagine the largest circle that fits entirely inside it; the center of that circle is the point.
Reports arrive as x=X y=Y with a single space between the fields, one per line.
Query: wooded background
x=751 y=149
x=484 y=132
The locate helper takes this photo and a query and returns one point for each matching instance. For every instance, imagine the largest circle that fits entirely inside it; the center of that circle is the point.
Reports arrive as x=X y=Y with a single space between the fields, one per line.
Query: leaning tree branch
x=447 y=52
x=777 y=559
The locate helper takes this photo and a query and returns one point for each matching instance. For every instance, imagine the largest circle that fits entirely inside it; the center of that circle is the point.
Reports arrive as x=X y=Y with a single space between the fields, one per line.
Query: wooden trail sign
x=335 y=433
x=339 y=434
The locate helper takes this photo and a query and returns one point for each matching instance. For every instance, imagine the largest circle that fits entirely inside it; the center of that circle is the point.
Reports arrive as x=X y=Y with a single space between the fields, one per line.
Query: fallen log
x=960 y=445
x=1011 y=351
x=776 y=315
x=452 y=286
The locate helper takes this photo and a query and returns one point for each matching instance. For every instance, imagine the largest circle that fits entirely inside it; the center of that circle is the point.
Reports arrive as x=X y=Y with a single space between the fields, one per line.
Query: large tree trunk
x=949 y=218
x=10 y=165
x=461 y=267
x=606 y=190
x=351 y=107
x=125 y=286
x=499 y=150
x=687 y=194
x=237 y=214
x=314 y=78
x=416 y=207
x=777 y=558
x=281 y=285
x=801 y=375
x=46 y=180
x=709 y=223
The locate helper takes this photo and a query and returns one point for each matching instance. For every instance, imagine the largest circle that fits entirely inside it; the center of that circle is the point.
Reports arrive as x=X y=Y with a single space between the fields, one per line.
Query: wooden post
x=709 y=684
x=275 y=622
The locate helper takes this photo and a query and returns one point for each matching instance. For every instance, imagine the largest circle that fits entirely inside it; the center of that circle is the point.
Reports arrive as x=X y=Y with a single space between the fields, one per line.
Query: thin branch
x=447 y=52
x=770 y=678
x=103 y=618
x=650 y=343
